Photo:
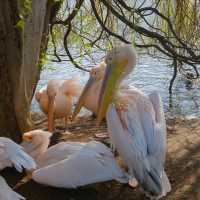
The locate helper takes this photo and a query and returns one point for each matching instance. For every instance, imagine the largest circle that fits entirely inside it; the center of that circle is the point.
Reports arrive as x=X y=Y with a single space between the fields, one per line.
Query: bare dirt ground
x=182 y=166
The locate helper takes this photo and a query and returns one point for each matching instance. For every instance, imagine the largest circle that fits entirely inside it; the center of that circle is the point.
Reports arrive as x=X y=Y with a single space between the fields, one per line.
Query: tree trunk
x=20 y=51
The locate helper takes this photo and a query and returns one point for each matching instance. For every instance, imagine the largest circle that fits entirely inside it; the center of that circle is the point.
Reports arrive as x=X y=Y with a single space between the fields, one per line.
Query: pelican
x=56 y=99
x=74 y=164
x=11 y=154
x=136 y=124
x=89 y=97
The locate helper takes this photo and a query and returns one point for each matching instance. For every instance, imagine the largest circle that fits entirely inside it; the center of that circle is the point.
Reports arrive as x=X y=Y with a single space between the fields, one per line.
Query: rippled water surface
x=150 y=74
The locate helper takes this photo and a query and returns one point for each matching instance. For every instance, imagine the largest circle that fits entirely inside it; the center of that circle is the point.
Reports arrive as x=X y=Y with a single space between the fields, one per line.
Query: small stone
x=170 y=128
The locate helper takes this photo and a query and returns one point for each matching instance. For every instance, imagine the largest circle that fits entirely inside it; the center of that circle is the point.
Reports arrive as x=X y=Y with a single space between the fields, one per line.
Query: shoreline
x=182 y=164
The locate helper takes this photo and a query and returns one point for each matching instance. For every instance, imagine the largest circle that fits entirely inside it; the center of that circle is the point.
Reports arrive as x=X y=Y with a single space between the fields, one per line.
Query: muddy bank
x=182 y=166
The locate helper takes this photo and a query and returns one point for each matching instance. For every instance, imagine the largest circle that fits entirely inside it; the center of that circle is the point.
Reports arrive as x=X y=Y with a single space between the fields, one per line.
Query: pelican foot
x=133 y=182
x=102 y=135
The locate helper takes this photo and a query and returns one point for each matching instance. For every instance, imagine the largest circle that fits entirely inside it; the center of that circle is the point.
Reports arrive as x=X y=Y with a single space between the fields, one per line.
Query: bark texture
x=20 y=51
x=29 y=71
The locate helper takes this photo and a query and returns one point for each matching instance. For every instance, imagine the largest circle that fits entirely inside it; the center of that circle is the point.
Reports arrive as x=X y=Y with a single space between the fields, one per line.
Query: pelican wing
x=6 y=193
x=140 y=139
x=93 y=163
x=13 y=154
x=159 y=125
x=59 y=152
x=132 y=151
x=71 y=87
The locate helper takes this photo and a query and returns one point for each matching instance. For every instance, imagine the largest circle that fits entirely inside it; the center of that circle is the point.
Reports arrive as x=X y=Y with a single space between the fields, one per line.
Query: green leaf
x=20 y=24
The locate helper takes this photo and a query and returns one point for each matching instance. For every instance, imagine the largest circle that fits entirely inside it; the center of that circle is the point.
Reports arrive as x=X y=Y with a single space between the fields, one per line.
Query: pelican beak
x=27 y=137
x=113 y=73
x=81 y=100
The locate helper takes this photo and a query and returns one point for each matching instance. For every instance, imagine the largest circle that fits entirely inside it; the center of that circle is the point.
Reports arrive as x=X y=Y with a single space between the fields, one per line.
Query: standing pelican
x=89 y=97
x=90 y=94
x=11 y=154
x=136 y=124
x=56 y=99
x=73 y=164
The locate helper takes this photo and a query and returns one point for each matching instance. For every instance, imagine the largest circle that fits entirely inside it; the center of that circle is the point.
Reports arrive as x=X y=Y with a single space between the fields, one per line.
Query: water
x=151 y=74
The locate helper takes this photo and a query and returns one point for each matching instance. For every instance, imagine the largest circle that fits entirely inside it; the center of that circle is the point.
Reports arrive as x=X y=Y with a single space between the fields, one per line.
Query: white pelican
x=11 y=154
x=136 y=124
x=56 y=99
x=80 y=164
x=90 y=94
x=73 y=164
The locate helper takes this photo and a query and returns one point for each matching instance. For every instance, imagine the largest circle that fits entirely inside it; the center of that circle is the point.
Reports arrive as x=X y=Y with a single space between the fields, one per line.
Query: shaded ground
x=182 y=166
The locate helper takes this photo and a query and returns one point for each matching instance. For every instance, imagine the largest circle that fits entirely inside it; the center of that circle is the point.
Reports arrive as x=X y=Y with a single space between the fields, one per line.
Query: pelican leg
x=102 y=136
x=24 y=180
x=51 y=114
x=66 y=122
x=133 y=182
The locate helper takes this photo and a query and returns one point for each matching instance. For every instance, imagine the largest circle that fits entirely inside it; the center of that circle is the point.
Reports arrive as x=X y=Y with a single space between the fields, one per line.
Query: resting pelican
x=73 y=164
x=90 y=94
x=136 y=124
x=11 y=154
x=56 y=99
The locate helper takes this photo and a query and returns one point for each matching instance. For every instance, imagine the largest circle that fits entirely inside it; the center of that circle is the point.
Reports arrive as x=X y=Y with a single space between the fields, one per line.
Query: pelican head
x=96 y=75
x=97 y=72
x=36 y=135
x=36 y=142
x=120 y=62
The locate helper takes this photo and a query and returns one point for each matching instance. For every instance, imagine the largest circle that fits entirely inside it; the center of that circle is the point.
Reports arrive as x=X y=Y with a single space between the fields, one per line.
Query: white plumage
x=6 y=193
x=73 y=164
x=11 y=154
x=138 y=133
x=136 y=124
x=70 y=165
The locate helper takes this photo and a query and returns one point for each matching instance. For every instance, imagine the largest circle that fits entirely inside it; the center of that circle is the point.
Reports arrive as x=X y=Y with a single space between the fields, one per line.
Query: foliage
x=25 y=8
x=84 y=27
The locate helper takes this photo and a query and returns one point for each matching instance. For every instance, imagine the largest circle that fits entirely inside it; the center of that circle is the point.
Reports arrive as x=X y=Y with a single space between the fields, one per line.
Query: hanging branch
x=175 y=64
x=54 y=45
x=104 y=26
x=168 y=47
x=68 y=24
x=68 y=52
x=171 y=45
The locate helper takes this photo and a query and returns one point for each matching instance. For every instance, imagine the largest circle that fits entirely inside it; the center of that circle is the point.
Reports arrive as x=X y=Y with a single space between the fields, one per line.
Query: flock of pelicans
x=136 y=127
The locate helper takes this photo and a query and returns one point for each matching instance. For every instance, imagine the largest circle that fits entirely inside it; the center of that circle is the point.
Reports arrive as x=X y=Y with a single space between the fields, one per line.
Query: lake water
x=150 y=74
